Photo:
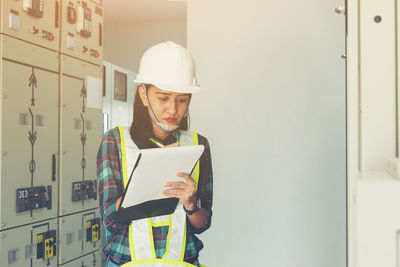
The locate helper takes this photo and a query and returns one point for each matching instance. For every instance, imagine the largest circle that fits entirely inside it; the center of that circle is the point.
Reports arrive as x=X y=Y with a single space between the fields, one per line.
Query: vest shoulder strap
x=189 y=138
x=129 y=153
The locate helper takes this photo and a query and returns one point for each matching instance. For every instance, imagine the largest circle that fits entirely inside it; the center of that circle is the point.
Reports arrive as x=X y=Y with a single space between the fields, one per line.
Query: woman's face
x=169 y=107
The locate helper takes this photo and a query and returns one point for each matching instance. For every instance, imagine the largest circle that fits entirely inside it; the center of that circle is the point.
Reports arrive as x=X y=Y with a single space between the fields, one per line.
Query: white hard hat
x=170 y=67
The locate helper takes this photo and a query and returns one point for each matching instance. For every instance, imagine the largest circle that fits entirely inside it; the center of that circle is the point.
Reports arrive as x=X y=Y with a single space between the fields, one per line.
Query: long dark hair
x=141 y=127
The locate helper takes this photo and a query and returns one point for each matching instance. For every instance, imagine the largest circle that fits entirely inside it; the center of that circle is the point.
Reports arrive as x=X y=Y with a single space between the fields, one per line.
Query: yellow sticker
x=39 y=239
x=49 y=250
x=95 y=233
x=88 y=224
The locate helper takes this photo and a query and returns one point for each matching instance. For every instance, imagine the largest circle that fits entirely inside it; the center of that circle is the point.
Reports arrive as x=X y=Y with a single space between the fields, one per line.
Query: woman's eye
x=163 y=98
x=183 y=100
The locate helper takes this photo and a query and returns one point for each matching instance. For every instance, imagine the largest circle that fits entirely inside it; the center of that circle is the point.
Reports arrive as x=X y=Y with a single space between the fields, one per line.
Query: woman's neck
x=160 y=134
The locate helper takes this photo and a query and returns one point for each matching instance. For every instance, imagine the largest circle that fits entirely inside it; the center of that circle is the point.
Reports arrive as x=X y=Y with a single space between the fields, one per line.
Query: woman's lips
x=170 y=120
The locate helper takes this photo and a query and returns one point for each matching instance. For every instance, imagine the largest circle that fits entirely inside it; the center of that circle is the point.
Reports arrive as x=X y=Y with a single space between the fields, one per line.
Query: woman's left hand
x=184 y=191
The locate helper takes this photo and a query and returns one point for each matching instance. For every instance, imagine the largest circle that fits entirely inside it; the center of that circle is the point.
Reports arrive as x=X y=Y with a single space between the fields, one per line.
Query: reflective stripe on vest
x=141 y=240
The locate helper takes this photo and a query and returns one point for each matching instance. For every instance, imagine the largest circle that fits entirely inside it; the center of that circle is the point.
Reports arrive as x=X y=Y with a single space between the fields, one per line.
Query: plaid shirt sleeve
x=205 y=187
x=110 y=182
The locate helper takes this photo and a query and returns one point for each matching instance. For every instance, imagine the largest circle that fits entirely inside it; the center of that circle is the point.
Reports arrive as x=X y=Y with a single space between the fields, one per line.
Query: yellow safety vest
x=141 y=241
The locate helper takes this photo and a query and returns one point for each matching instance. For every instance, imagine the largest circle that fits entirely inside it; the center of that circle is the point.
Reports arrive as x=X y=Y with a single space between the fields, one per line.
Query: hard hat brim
x=171 y=87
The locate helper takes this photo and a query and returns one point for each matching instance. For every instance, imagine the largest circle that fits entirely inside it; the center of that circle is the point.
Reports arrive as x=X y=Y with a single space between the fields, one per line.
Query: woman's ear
x=142 y=94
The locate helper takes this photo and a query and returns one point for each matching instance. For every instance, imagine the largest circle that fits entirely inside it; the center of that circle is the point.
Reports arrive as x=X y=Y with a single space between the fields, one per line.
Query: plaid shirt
x=111 y=186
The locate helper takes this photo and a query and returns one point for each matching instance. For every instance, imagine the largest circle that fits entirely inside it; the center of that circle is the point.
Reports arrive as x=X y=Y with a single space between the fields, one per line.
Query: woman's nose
x=172 y=107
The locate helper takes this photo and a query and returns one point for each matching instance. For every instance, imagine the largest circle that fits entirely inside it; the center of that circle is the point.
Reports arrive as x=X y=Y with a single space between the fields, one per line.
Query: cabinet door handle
x=100 y=34
x=57 y=14
x=53 y=167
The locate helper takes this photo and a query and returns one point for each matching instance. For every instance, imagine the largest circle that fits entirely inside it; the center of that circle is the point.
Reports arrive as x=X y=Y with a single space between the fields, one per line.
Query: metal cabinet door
x=33 y=245
x=90 y=260
x=79 y=234
x=86 y=43
x=29 y=141
x=121 y=109
x=41 y=28
x=378 y=117
x=81 y=135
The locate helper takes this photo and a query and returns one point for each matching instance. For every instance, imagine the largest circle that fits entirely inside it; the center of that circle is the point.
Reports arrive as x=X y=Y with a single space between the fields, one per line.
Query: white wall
x=273 y=109
x=125 y=42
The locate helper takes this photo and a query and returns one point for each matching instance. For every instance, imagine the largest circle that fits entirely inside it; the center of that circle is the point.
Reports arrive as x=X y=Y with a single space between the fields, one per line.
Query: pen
x=156 y=142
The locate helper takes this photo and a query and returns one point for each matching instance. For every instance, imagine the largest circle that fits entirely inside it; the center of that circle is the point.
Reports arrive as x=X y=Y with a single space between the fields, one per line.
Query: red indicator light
x=52 y=37
x=98 y=54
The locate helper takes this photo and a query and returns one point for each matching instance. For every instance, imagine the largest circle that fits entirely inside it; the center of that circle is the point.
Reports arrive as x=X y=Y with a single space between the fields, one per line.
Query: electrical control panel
x=33 y=21
x=82 y=30
x=48 y=118
x=29 y=147
x=119 y=94
x=79 y=234
x=84 y=190
x=31 y=245
x=82 y=133
x=33 y=198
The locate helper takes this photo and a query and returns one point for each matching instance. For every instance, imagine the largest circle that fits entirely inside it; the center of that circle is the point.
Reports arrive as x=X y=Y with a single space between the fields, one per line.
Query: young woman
x=166 y=81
